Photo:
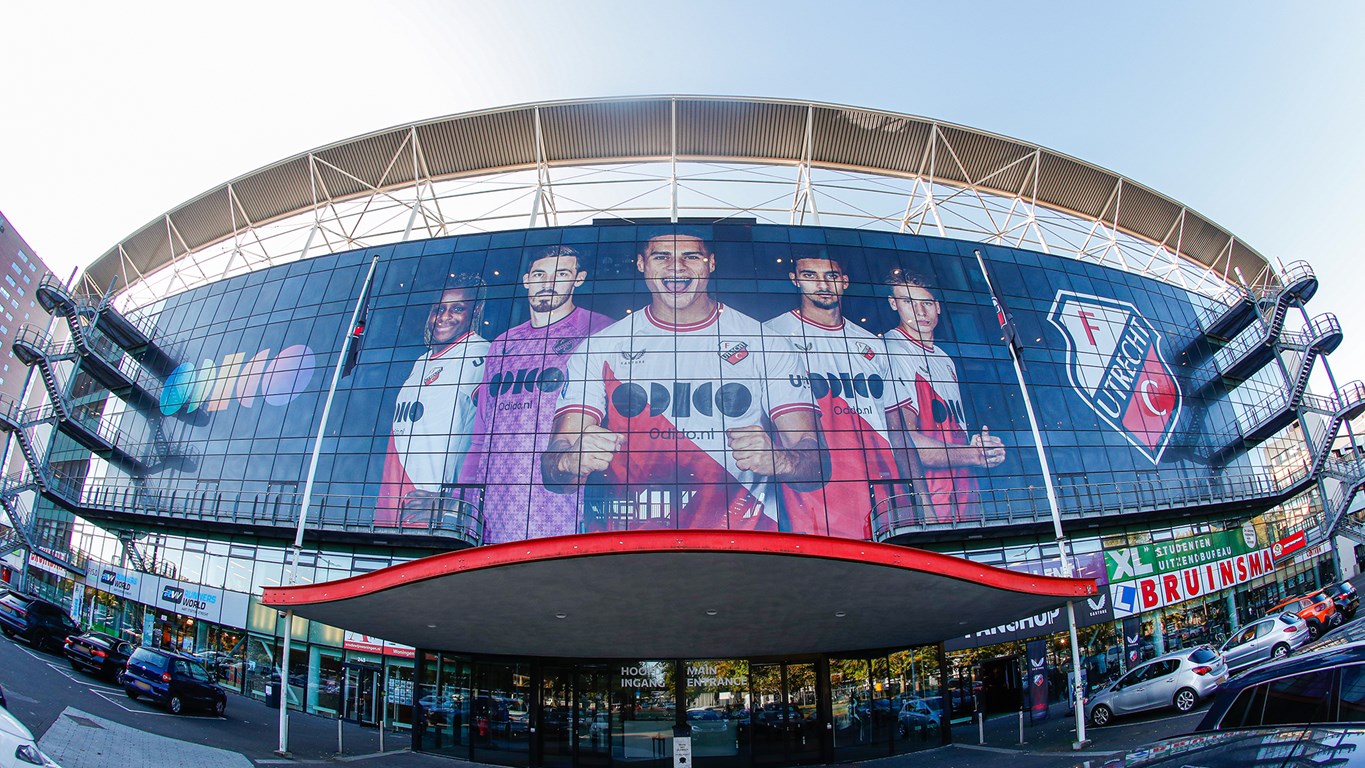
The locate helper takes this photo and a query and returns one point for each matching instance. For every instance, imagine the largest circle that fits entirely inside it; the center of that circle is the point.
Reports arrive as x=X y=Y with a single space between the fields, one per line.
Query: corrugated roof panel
x=1146 y=214
x=865 y=139
x=741 y=130
x=275 y=192
x=202 y=220
x=616 y=129
x=375 y=161
x=1072 y=186
x=990 y=162
x=494 y=140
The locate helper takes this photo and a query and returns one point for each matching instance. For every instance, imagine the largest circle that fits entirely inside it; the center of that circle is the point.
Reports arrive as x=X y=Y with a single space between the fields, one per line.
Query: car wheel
x=74 y=665
x=1185 y=699
x=1335 y=620
x=1279 y=651
x=175 y=704
x=1100 y=715
x=905 y=732
x=132 y=694
x=220 y=708
x=1313 y=630
x=8 y=632
x=118 y=677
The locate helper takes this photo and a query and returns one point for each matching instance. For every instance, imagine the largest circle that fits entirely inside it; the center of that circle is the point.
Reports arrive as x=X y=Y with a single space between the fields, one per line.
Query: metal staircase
x=1252 y=335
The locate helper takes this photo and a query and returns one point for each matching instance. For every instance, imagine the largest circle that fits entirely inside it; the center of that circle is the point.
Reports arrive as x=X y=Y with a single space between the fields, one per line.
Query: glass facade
x=566 y=380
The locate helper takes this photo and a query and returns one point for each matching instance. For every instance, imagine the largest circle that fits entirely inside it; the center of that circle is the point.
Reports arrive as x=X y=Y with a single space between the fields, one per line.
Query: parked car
x=918 y=716
x=705 y=721
x=1259 y=747
x=42 y=624
x=1318 y=613
x=1325 y=686
x=1181 y=679
x=101 y=654
x=18 y=748
x=1344 y=598
x=1270 y=638
x=175 y=681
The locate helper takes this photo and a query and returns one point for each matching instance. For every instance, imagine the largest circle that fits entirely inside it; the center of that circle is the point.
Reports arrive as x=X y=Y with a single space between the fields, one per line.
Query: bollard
x=339 y=749
x=1021 y=726
x=980 y=728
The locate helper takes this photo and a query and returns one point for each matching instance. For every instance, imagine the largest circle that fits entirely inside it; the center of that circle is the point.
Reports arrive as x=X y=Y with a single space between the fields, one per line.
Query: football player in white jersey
x=673 y=404
x=434 y=414
x=928 y=405
x=849 y=375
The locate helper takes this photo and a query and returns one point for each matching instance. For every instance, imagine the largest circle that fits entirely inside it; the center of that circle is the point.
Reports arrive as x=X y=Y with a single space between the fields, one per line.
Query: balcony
x=896 y=517
x=454 y=522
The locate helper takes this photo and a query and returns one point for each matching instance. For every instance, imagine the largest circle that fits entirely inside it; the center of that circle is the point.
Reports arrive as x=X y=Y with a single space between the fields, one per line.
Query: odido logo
x=213 y=386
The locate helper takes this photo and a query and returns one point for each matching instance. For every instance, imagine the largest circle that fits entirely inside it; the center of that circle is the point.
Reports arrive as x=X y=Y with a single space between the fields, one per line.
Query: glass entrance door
x=556 y=726
x=785 y=716
x=597 y=728
x=361 y=685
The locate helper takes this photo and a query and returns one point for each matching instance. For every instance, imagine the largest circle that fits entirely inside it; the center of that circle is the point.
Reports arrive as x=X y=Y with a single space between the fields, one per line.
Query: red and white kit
x=848 y=374
x=673 y=391
x=433 y=423
x=926 y=383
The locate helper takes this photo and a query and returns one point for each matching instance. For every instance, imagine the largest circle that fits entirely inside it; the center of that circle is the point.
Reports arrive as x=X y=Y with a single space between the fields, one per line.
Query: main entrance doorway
x=576 y=722
x=787 y=722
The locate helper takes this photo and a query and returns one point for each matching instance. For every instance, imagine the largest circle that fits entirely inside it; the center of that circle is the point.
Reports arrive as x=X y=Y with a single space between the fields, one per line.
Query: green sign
x=1126 y=563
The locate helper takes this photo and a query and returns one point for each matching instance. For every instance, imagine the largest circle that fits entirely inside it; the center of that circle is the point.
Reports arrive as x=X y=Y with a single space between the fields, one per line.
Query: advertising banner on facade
x=1161 y=589
x=1036 y=651
x=732 y=376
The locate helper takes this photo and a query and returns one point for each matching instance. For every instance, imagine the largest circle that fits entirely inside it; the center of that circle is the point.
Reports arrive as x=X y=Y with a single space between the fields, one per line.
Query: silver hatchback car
x=1273 y=637
x=1180 y=679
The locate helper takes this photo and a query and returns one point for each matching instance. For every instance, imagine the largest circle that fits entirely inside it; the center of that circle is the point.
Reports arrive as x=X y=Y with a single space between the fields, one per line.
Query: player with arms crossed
x=434 y=416
x=670 y=403
x=516 y=404
x=929 y=406
x=849 y=375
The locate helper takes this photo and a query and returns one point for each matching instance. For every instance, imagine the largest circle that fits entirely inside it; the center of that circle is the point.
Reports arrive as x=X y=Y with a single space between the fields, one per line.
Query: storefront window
x=324 y=685
x=715 y=694
x=644 y=709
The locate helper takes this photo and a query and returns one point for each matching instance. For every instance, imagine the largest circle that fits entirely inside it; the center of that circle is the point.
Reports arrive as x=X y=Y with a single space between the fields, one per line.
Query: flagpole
x=292 y=571
x=1063 y=549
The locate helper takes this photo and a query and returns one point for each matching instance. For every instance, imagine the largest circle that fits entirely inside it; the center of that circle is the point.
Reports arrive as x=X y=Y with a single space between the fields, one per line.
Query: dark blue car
x=175 y=681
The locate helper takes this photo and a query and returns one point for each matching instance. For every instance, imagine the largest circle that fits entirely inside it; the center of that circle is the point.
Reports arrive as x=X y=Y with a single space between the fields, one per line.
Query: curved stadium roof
x=397 y=164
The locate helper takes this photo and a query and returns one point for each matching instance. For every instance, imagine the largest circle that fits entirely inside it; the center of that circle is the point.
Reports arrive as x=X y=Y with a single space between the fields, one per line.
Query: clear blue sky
x=1248 y=112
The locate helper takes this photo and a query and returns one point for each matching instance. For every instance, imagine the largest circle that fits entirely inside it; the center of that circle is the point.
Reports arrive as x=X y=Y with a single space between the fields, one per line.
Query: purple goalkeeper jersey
x=523 y=376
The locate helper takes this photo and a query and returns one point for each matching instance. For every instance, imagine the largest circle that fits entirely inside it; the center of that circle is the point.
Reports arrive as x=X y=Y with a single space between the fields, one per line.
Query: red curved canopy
x=678 y=594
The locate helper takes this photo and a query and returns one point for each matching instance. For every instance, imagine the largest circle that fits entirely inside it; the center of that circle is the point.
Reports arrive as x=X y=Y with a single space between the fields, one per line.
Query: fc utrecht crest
x=1114 y=362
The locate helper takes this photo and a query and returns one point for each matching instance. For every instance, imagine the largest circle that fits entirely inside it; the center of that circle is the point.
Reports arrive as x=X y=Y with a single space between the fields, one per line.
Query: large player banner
x=735 y=376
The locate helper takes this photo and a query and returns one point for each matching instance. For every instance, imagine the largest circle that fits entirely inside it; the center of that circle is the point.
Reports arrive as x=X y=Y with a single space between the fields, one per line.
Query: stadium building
x=609 y=415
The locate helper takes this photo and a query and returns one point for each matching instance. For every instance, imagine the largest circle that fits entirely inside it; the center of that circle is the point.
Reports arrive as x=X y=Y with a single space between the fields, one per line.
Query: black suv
x=39 y=622
x=173 y=680
x=1344 y=598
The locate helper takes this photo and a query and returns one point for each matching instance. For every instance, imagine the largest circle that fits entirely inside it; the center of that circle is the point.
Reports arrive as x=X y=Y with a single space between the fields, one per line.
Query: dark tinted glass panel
x=1352 y=698
x=1305 y=698
x=1246 y=710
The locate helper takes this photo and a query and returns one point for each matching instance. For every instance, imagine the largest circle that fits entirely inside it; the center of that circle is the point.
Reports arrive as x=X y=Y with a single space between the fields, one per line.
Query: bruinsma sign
x=1160 y=590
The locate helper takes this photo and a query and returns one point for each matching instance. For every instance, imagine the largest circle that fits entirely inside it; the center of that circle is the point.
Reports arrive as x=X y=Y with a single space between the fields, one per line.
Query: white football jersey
x=433 y=421
x=674 y=391
x=848 y=374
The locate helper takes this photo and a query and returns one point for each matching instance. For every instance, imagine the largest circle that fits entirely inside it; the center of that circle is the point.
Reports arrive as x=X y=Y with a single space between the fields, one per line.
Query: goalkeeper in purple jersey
x=523 y=376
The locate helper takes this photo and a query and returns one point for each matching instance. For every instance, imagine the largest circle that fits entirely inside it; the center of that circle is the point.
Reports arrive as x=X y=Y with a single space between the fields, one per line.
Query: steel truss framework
x=402 y=184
